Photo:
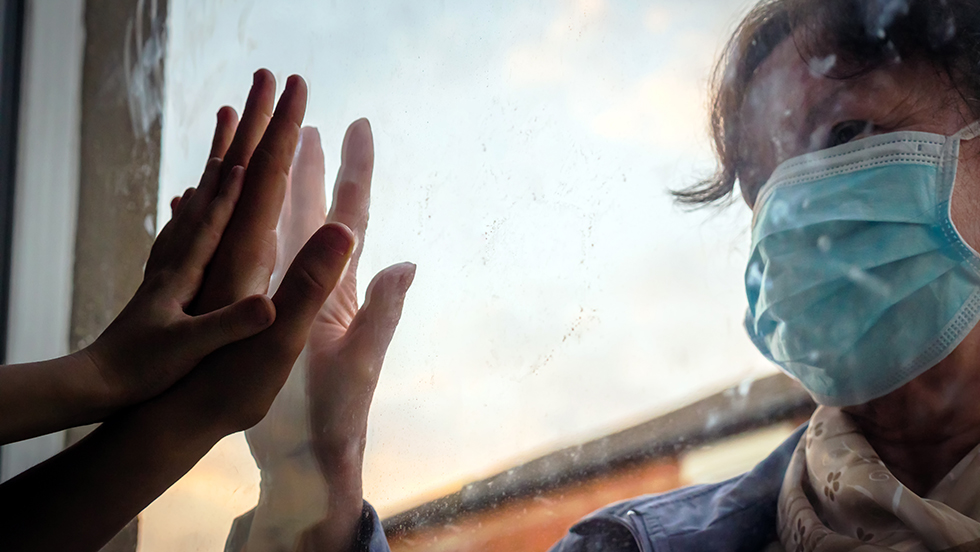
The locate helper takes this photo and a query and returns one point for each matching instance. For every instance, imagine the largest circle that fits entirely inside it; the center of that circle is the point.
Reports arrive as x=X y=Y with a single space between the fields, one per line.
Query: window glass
x=524 y=155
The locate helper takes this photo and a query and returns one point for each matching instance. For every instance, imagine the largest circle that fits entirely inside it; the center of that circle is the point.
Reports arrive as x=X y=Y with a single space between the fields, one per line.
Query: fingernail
x=310 y=135
x=235 y=176
x=255 y=77
x=408 y=276
x=261 y=315
x=357 y=145
x=338 y=239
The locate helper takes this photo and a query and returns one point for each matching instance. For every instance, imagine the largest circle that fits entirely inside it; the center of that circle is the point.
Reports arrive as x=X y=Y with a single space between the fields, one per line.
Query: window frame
x=11 y=56
x=45 y=196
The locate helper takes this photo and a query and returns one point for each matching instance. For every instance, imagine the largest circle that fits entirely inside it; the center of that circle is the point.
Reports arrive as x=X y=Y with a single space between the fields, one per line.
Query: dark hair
x=863 y=34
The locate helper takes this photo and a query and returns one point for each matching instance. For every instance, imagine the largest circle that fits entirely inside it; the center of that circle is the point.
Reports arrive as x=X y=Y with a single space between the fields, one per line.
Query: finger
x=194 y=207
x=351 y=199
x=168 y=226
x=352 y=190
x=255 y=119
x=170 y=249
x=206 y=235
x=307 y=203
x=245 y=259
x=224 y=131
x=275 y=151
x=374 y=325
x=204 y=334
x=182 y=201
x=283 y=256
x=307 y=284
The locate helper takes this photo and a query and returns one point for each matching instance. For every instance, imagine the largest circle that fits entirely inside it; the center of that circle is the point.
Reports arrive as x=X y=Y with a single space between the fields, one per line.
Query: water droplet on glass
x=779 y=212
x=754 y=278
x=869 y=281
x=824 y=244
x=823 y=66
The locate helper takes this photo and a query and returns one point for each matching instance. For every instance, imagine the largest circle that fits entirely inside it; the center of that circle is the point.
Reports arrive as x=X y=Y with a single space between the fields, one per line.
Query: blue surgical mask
x=858 y=281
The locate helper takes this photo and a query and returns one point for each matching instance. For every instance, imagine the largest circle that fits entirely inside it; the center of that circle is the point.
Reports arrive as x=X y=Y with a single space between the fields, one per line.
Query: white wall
x=46 y=198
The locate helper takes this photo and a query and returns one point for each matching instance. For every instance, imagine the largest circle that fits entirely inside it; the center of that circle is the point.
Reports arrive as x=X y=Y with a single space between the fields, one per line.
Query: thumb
x=209 y=332
x=374 y=325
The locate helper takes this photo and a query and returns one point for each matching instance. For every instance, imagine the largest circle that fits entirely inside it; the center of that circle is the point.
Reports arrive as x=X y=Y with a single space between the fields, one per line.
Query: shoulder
x=738 y=515
x=735 y=515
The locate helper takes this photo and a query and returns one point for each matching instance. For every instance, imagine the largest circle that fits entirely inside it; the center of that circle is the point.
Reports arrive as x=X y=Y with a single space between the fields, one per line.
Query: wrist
x=293 y=498
x=341 y=452
x=103 y=383
x=91 y=382
x=191 y=411
x=343 y=471
x=174 y=428
x=306 y=471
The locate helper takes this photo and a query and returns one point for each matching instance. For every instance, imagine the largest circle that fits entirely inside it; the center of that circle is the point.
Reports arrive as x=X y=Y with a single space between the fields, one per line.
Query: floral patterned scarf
x=838 y=496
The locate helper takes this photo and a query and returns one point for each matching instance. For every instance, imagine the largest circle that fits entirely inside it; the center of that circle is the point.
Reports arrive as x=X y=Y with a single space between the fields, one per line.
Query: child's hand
x=154 y=342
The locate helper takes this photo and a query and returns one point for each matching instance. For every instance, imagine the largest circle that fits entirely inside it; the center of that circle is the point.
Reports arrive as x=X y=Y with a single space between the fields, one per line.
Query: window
x=524 y=154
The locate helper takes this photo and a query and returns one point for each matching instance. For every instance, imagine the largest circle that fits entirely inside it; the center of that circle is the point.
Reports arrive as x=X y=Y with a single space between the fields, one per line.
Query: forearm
x=41 y=397
x=308 y=504
x=293 y=494
x=293 y=498
x=81 y=498
x=339 y=442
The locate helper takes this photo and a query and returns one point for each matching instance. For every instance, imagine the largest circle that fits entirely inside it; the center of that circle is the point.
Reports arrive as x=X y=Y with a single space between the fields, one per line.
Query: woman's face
x=791 y=109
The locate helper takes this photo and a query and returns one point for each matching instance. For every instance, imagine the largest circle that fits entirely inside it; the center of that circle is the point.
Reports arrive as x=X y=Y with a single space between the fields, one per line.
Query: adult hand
x=323 y=437
x=263 y=142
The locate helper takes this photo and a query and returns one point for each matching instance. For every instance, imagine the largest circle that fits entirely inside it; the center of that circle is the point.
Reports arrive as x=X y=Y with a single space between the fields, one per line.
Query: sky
x=525 y=150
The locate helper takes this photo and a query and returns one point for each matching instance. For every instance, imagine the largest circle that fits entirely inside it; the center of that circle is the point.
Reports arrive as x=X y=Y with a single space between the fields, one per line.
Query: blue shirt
x=738 y=515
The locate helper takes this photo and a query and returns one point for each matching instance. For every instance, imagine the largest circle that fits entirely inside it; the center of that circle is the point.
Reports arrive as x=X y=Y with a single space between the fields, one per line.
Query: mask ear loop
x=969 y=132
x=965 y=135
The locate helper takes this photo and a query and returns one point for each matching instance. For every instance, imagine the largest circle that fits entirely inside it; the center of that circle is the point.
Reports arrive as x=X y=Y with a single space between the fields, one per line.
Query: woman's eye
x=843 y=133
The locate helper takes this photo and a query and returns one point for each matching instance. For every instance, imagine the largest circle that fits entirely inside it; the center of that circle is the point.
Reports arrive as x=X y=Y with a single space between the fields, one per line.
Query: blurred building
x=529 y=507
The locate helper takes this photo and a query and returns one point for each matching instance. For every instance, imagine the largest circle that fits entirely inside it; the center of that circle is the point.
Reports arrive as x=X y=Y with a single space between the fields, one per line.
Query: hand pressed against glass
x=310 y=447
x=103 y=481
x=793 y=108
x=153 y=342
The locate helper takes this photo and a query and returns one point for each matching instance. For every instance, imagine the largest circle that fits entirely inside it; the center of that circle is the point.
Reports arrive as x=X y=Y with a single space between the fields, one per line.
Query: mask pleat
x=795 y=336
x=809 y=257
x=894 y=194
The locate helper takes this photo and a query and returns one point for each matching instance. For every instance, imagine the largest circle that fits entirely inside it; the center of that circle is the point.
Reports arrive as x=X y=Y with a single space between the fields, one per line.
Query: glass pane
x=524 y=154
